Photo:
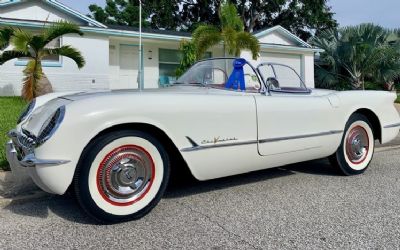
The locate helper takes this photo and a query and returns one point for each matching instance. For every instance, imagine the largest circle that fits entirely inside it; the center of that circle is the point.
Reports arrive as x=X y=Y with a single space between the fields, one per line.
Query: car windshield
x=230 y=74
x=282 y=78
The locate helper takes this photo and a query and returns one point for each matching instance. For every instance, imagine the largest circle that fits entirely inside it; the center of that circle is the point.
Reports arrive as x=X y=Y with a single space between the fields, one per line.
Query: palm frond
x=230 y=18
x=20 y=40
x=11 y=54
x=66 y=51
x=229 y=37
x=37 y=43
x=204 y=37
x=245 y=40
x=5 y=37
x=203 y=29
x=59 y=29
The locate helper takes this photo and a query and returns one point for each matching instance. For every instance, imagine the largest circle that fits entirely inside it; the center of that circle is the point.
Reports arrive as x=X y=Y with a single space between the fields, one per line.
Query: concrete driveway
x=305 y=206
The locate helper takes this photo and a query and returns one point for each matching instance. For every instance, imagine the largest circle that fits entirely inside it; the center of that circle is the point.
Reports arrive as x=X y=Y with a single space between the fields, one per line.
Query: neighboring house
x=112 y=52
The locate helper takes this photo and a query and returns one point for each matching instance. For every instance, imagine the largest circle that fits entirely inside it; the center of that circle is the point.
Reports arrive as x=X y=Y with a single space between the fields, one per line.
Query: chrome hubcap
x=357 y=145
x=125 y=175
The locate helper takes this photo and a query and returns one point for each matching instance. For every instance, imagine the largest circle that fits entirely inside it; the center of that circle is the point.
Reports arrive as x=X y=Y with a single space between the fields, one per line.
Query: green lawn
x=398 y=99
x=10 y=109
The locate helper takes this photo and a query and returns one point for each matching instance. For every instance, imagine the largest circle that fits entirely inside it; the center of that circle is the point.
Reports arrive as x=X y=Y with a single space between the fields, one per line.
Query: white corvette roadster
x=222 y=117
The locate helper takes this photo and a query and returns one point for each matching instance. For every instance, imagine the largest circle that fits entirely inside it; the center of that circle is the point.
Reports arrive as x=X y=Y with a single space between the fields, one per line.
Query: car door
x=290 y=117
x=291 y=122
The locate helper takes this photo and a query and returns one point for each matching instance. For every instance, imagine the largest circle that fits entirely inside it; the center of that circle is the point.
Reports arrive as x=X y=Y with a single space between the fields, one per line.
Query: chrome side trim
x=300 y=136
x=392 y=125
x=197 y=147
x=294 y=151
x=31 y=161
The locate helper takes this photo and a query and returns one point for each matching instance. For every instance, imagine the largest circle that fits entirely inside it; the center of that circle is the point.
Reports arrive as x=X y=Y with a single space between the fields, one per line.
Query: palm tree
x=35 y=48
x=231 y=34
x=5 y=36
x=357 y=53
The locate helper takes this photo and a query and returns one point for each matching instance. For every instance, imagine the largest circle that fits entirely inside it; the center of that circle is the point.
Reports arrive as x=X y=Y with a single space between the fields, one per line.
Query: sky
x=348 y=12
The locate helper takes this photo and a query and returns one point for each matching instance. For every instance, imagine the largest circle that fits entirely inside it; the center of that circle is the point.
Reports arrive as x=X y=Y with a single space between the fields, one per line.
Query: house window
x=56 y=43
x=48 y=61
x=169 y=60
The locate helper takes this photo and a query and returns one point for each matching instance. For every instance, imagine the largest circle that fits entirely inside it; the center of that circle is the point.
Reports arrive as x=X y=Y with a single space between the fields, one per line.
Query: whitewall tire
x=357 y=147
x=121 y=176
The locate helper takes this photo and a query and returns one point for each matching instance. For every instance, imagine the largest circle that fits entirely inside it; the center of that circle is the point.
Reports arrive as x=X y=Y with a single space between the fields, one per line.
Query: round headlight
x=50 y=126
x=27 y=111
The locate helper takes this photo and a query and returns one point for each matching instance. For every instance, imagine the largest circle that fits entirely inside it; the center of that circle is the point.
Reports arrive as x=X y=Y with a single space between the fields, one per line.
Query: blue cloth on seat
x=236 y=79
x=164 y=81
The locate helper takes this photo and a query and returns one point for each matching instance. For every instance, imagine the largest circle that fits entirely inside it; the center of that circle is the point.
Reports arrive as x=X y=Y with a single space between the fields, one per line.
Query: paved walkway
x=302 y=206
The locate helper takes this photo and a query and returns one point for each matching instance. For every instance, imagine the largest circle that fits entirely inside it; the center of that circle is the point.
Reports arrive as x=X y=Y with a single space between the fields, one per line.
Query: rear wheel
x=357 y=148
x=121 y=176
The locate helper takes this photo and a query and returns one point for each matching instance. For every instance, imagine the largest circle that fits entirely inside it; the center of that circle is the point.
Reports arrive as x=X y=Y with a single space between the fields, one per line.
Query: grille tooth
x=25 y=140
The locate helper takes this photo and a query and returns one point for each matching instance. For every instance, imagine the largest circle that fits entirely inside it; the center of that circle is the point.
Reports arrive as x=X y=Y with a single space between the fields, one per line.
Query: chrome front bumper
x=21 y=154
x=11 y=155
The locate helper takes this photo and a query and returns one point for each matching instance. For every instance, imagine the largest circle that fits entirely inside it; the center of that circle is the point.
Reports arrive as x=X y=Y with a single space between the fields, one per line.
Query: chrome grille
x=23 y=143
x=26 y=139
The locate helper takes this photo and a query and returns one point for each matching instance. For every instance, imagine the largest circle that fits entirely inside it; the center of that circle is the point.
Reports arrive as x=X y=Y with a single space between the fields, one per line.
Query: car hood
x=177 y=89
x=173 y=89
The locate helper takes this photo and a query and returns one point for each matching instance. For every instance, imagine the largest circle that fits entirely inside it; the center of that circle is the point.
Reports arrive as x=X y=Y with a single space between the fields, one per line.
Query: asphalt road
x=306 y=206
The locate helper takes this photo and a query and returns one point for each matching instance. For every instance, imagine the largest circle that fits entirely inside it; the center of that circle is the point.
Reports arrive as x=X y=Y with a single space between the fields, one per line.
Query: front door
x=291 y=122
x=128 y=67
x=290 y=117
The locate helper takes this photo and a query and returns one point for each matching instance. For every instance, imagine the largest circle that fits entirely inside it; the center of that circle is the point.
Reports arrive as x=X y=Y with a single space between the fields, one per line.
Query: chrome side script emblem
x=218 y=139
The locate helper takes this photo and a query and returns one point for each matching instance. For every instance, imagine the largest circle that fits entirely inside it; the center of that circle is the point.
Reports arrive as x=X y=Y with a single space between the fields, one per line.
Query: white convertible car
x=222 y=117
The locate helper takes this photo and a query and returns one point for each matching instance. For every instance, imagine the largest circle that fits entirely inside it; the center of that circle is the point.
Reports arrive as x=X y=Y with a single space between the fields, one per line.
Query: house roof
x=289 y=35
x=110 y=31
x=127 y=31
x=152 y=31
x=61 y=7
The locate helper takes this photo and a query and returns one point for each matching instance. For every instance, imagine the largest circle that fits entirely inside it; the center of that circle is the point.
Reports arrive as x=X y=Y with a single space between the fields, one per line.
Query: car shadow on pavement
x=66 y=206
x=187 y=185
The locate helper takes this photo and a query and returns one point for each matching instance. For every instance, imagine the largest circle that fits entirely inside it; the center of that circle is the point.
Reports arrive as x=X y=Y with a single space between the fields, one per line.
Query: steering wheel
x=272 y=81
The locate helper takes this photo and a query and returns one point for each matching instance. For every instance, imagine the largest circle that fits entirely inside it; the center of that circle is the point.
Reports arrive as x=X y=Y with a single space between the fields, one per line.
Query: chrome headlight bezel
x=50 y=126
x=27 y=111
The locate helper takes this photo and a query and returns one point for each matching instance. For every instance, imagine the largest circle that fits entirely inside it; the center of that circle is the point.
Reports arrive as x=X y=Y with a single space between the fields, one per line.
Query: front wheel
x=121 y=176
x=357 y=147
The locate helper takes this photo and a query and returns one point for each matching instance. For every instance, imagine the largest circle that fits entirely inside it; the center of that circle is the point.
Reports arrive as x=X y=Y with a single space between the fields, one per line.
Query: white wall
x=275 y=38
x=151 y=69
x=308 y=62
x=95 y=75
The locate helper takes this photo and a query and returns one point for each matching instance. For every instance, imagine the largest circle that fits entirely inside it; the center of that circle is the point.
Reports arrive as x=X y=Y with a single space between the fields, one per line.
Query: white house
x=112 y=52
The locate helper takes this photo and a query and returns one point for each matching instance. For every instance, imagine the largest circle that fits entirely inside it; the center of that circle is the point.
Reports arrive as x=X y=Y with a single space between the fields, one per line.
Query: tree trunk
x=43 y=86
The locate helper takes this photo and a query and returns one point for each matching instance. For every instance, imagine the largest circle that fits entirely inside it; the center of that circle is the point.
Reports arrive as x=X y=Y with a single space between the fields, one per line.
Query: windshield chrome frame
x=263 y=88
x=305 y=90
